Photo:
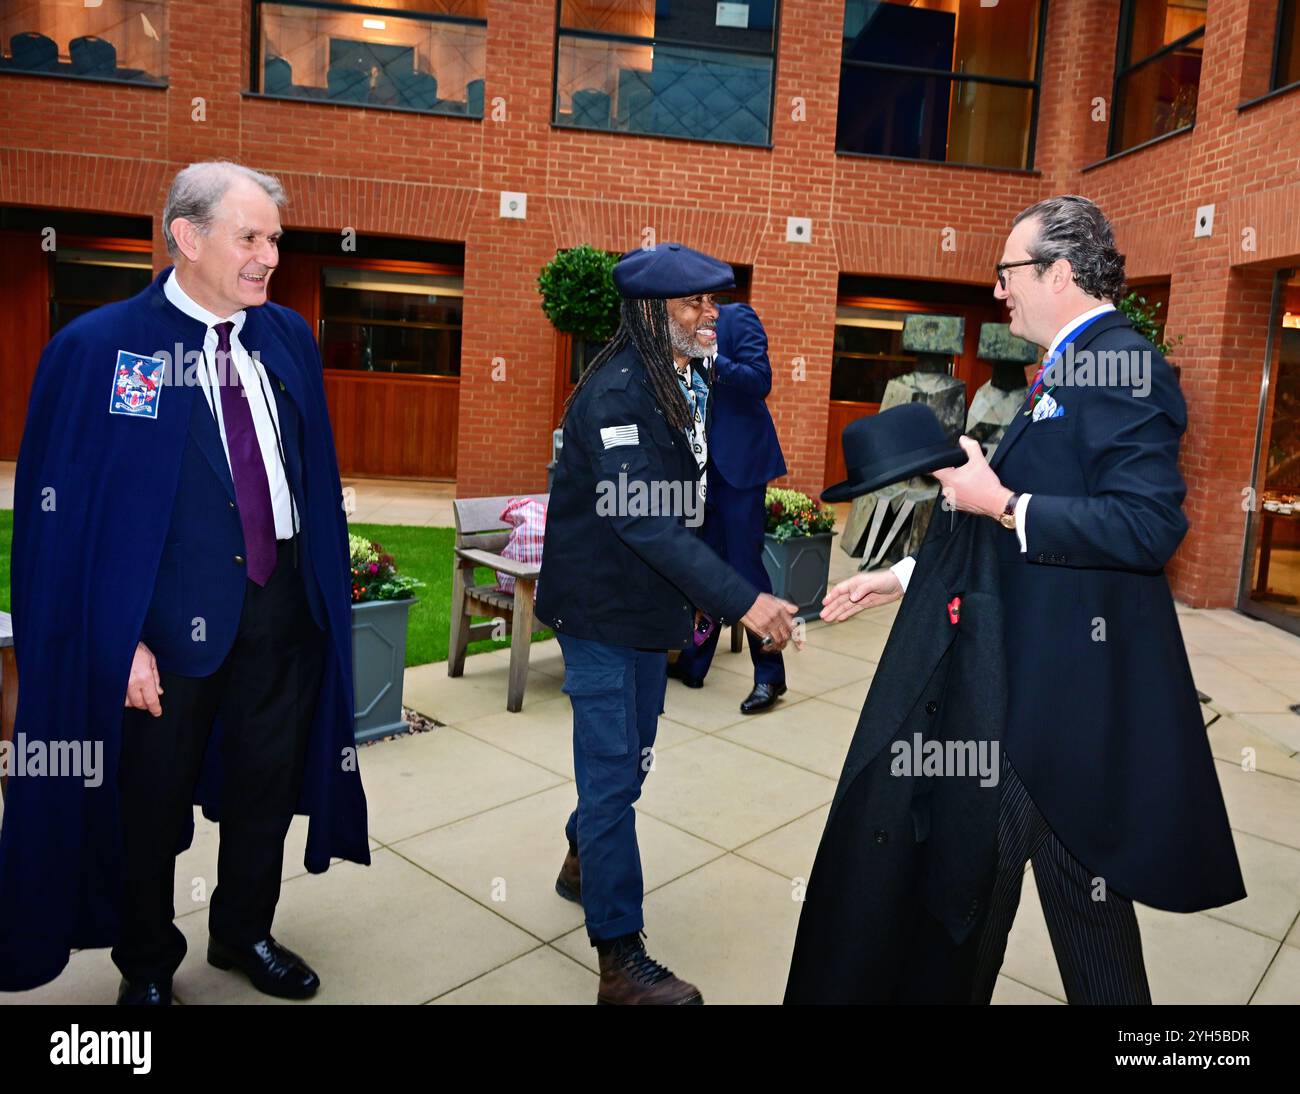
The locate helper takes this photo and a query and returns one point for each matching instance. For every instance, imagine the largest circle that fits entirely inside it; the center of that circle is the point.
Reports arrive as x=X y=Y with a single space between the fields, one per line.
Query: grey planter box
x=799 y=569
x=378 y=661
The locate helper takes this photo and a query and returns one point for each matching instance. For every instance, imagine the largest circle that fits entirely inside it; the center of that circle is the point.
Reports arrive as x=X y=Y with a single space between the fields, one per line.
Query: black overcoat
x=906 y=862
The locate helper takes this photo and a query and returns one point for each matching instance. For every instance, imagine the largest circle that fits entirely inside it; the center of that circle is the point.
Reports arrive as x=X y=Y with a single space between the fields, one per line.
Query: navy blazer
x=743 y=445
x=199 y=582
x=629 y=574
x=1103 y=723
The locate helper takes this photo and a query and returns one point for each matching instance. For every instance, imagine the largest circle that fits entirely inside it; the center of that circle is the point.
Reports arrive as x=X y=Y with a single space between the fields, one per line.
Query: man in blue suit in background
x=744 y=456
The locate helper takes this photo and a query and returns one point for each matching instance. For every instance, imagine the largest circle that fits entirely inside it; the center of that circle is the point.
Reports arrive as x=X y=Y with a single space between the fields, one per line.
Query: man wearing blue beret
x=622 y=577
x=181 y=601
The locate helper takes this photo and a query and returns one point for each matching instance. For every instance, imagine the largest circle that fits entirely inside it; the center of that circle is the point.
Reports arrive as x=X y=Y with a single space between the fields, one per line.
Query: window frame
x=322 y=263
x=256 y=70
x=1123 y=43
x=1274 y=74
x=161 y=82
x=1034 y=86
x=637 y=40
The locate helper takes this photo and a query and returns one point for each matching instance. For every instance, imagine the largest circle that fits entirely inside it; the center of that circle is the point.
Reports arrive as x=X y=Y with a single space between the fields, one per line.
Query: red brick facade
x=109 y=148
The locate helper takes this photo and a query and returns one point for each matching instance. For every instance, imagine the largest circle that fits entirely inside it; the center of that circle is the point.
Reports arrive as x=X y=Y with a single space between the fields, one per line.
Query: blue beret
x=668 y=270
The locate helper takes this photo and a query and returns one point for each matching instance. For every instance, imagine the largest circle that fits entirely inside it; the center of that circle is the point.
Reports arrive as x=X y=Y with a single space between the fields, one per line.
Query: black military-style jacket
x=623 y=561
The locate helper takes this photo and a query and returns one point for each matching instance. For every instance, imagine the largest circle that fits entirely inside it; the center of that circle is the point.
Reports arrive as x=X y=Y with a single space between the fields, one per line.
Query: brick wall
x=113 y=149
x=1245 y=164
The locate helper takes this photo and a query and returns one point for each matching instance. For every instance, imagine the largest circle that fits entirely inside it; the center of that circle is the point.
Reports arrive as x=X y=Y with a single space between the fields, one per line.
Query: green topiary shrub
x=578 y=293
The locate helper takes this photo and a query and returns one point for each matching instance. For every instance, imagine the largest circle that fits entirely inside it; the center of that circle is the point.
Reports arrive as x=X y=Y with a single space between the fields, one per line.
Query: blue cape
x=91 y=513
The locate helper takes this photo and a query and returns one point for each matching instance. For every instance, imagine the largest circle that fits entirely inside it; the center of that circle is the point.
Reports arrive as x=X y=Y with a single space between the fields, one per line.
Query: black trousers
x=266 y=692
x=1097 y=945
x=733 y=527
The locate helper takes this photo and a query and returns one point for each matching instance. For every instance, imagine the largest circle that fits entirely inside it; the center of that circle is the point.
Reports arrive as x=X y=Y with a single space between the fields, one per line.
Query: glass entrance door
x=1270 y=587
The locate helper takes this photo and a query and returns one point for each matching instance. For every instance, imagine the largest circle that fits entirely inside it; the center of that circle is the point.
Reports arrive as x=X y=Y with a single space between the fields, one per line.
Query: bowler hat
x=668 y=270
x=891 y=446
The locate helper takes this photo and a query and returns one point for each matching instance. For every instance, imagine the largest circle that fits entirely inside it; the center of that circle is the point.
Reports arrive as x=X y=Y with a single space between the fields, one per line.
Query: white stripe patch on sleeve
x=615 y=435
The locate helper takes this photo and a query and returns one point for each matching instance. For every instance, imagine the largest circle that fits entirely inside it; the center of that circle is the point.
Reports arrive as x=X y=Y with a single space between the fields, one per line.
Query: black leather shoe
x=678 y=673
x=762 y=697
x=272 y=969
x=144 y=993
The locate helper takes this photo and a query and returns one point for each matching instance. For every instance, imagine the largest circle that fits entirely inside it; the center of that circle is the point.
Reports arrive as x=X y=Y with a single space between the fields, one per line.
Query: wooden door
x=25 y=308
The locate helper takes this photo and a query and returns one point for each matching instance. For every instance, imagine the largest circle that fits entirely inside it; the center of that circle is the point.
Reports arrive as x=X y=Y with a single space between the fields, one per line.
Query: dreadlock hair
x=644 y=326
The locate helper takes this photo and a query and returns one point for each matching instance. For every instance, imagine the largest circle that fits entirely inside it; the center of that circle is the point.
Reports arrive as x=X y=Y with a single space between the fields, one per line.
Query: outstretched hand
x=869 y=590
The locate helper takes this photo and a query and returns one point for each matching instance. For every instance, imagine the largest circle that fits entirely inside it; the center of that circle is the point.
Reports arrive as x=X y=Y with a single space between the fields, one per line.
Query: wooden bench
x=8 y=682
x=479 y=540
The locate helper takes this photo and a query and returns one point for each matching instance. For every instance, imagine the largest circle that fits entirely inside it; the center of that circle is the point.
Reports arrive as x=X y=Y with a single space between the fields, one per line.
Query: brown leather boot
x=631 y=977
x=569 y=883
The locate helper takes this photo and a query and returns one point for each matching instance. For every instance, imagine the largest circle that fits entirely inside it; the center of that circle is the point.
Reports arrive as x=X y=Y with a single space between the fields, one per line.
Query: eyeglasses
x=1002 y=268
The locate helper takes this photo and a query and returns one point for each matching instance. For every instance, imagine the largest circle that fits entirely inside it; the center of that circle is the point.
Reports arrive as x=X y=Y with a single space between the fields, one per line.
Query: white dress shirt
x=1075 y=323
x=902 y=569
x=257 y=388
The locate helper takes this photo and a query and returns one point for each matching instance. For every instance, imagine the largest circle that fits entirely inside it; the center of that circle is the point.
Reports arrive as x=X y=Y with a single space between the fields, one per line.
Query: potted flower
x=381 y=601
x=797 y=548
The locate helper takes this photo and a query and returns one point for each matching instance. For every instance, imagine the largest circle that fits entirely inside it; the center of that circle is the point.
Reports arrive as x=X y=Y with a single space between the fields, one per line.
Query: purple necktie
x=252 y=491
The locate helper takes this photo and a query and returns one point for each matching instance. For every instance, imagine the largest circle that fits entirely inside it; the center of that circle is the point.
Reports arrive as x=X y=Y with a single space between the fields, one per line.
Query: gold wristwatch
x=1008 y=517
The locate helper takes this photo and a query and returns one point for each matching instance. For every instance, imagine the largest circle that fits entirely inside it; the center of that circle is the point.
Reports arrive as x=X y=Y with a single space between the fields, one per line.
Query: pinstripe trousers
x=1096 y=942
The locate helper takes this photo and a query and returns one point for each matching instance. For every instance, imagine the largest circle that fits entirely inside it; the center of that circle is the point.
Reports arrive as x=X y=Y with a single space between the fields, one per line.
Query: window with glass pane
x=1271 y=576
x=111 y=40
x=1158 y=74
x=426 y=55
x=85 y=279
x=681 y=68
x=1286 y=69
x=945 y=80
x=868 y=353
x=374 y=321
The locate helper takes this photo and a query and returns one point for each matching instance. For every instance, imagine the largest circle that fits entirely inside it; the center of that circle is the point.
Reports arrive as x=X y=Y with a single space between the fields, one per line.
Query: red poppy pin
x=954 y=609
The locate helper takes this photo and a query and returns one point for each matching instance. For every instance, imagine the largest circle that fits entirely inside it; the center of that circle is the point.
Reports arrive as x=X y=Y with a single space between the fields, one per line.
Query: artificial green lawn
x=425 y=553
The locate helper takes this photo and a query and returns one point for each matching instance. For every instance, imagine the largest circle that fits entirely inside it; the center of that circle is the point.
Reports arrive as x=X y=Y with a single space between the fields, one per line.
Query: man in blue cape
x=181 y=591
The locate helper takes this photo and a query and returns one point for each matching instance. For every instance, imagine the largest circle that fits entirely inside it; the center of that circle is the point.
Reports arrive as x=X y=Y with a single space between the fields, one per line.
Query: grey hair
x=1075 y=229
x=198 y=189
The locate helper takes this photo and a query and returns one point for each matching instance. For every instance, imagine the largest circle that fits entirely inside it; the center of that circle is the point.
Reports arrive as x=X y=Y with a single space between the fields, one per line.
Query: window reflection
x=1287 y=69
x=375 y=321
x=1158 y=81
x=426 y=55
x=694 y=68
x=1273 y=574
x=85 y=279
x=108 y=40
x=945 y=80
x=868 y=353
